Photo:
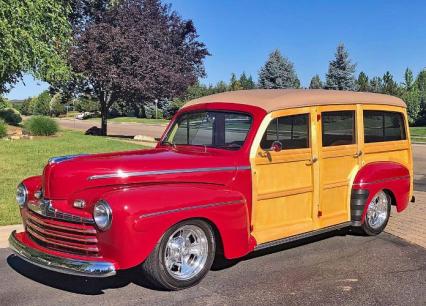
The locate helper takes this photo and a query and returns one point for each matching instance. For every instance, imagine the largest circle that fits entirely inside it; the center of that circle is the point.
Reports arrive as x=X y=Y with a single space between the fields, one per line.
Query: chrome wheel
x=186 y=252
x=377 y=212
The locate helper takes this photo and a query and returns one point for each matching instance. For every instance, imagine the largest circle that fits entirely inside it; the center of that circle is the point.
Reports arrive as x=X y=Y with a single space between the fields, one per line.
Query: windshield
x=211 y=129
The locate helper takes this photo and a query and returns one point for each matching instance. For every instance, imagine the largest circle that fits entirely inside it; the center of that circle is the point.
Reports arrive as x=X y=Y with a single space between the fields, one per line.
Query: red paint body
x=389 y=176
x=137 y=201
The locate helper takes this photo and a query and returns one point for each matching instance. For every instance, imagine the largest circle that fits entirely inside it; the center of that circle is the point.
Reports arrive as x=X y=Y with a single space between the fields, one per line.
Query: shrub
x=3 y=129
x=41 y=126
x=10 y=116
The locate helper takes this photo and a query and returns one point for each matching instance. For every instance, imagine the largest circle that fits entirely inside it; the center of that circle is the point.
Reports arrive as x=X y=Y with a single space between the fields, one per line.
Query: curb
x=5 y=232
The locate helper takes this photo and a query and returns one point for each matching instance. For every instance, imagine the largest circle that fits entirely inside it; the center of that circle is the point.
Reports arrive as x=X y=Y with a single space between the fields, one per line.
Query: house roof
x=276 y=99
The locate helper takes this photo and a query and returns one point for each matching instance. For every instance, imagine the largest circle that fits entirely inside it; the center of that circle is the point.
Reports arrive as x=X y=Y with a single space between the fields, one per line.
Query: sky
x=379 y=35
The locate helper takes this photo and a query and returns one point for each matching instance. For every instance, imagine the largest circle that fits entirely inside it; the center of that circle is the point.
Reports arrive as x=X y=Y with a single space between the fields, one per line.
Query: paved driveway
x=334 y=269
x=115 y=128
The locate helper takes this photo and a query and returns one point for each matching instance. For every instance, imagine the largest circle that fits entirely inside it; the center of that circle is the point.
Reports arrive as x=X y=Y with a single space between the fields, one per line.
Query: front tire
x=182 y=257
x=377 y=216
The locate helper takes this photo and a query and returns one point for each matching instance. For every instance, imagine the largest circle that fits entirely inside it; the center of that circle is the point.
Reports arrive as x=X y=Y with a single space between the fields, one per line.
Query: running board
x=302 y=236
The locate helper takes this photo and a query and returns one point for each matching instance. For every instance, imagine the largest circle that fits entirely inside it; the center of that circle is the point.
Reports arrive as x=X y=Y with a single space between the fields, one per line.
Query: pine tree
x=376 y=84
x=362 y=82
x=340 y=74
x=246 y=82
x=234 y=83
x=408 y=79
x=390 y=87
x=421 y=86
x=316 y=82
x=278 y=72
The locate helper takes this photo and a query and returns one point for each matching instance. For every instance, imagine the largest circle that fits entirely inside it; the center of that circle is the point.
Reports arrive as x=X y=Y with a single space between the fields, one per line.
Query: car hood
x=65 y=175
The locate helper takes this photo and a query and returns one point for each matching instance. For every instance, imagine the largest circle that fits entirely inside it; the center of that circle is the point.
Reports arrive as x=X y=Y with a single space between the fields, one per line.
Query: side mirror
x=276 y=146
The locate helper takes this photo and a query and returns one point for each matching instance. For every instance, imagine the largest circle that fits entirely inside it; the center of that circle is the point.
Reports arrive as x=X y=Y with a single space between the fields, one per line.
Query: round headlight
x=102 y=214
x=21 y=195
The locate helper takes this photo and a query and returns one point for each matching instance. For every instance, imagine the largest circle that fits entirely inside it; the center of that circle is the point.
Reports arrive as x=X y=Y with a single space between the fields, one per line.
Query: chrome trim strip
x=61 y=264
x=60 y=159
x=162 y=172
x=46 y=209
x=170 y=211
x=302 y=236
x=389 y=179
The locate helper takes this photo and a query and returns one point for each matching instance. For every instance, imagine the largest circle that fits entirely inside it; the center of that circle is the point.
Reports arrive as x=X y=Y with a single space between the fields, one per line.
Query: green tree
x=408 y=79
x=25 y=108
x=40 y=105
x=34 y=38
x=376 y=84
x=221 y=86
x=316 y=82
x=362 y=82
x=412 y=99
x=390 y=87
x=420 y=83
x=341 y=71
x=278 y=72
x=56 y=105
x=246 y=82
x=234 y=83
x=5 y=103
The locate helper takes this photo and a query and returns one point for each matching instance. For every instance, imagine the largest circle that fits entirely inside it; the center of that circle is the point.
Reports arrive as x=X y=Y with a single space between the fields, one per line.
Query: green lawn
x=136 y=120
x=22 y=158
x=418 y=133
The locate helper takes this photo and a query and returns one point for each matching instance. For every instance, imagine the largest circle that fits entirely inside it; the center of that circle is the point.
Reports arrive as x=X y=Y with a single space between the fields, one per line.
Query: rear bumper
x=60 y=264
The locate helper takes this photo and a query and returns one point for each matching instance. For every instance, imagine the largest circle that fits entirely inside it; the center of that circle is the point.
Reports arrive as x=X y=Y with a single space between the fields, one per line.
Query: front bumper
x=60 y=264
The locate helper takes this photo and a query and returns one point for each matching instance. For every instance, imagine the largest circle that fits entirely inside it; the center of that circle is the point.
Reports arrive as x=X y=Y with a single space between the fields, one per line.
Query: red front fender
x=142 y=214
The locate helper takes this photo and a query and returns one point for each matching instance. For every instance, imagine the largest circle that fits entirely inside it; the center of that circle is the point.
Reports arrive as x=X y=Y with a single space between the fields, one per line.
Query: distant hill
x=17 y=102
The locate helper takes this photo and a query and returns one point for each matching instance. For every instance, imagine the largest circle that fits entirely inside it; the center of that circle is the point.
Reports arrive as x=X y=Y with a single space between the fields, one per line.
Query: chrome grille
x=62 y=233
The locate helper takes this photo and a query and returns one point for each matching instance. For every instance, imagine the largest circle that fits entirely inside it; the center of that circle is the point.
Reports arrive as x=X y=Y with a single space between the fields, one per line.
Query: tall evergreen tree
x=278 y=72
x=390 y=87
x=340 y=74
x=421 y=86
x=316 y=82
x=362 y=82
x=408 y=79
x=234 y=83
x=376 y=84
x=246 y=82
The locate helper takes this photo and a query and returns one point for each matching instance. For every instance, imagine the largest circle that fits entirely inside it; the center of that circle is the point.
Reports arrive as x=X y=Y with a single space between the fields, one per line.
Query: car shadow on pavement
x=222 y=263
x=70 y=283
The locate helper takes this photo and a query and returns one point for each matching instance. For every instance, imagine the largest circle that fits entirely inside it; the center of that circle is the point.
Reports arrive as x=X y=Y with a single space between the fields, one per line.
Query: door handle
x=358 y=154
x=312 y=161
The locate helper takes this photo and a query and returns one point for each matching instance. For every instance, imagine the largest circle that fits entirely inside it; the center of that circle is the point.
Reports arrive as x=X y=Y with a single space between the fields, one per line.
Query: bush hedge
x=10 y=116
x=41 y=126
x=3 y=129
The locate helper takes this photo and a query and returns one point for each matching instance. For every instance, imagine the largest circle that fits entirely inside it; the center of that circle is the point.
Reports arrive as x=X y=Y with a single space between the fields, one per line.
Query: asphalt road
x=334 y=269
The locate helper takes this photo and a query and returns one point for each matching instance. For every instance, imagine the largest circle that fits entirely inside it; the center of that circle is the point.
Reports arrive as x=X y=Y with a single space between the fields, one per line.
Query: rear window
x=380 y=126
x=338 y=128
x=291 y=131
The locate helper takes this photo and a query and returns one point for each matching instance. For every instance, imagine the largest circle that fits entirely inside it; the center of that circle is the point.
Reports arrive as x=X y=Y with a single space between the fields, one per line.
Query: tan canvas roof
x=275 y=99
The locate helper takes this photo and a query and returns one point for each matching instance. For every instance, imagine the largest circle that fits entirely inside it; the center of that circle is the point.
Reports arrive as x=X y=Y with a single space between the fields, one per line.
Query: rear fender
x=370 y=179
x=141 y=215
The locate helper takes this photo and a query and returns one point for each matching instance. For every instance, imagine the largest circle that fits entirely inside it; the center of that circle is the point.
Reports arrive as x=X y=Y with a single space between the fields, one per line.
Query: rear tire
x=182 y=257
x=378 y=213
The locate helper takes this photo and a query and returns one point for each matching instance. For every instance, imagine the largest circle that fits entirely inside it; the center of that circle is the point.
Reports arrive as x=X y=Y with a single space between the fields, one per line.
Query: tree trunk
x=104 y=117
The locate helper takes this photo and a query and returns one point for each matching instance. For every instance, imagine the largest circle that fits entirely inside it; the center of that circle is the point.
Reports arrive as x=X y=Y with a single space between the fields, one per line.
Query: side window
x=291 y=131
x=338 y=128
x=383 y=126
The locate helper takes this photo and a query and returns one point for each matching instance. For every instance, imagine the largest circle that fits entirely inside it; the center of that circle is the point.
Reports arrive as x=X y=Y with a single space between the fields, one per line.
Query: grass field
x=418 y=134
x=22 y=158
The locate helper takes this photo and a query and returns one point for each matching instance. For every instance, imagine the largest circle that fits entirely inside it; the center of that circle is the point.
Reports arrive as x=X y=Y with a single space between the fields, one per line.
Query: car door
x=339 y=158
x=283 y=180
